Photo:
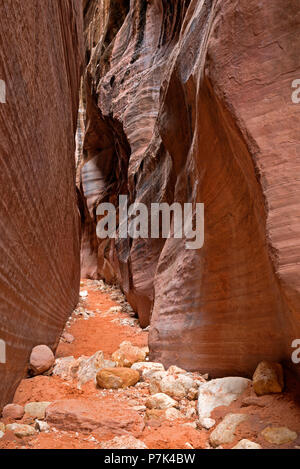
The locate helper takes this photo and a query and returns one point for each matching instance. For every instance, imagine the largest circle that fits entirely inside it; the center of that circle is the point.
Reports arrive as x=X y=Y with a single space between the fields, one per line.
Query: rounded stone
x=41 y=359
x=13 y=412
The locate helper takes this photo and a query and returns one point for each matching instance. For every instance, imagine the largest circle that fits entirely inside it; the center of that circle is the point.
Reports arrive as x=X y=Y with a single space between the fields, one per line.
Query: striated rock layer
x=41 y=53
x=190 y=101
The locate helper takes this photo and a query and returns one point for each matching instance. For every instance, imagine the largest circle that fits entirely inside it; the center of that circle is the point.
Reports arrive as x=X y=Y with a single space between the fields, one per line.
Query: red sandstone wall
x=41 y=52
x=191 y=101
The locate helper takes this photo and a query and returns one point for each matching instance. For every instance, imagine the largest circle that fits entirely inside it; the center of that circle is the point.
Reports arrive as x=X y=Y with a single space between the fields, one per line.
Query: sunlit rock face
x=41 y=53
x=190 y=101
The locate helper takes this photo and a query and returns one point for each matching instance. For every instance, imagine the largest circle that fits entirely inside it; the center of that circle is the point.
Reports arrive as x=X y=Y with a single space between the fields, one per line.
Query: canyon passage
x=182 y=102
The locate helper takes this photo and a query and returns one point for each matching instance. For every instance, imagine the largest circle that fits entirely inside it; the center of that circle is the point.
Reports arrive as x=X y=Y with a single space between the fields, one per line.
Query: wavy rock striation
x=41 y=53
x=190 y=101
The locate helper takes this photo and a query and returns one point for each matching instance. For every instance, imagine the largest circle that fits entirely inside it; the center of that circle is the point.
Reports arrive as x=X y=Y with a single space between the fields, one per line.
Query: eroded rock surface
x=41 y=47
x=190 y=101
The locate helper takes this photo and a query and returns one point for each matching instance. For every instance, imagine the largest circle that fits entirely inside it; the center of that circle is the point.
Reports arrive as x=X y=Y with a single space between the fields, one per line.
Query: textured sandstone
x=87 y=416
x=191 y=101
x=41 y=47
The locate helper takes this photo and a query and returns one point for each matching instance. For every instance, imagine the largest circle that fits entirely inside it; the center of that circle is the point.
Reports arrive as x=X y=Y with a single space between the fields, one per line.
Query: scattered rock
x=224 y=433
x=247 y=444
x=13 y=412
x=173 y=414
x=66 y=368
x=2 y=427
x=42 y=426
x=268 y=378
x=89 y=367
x=147 y=369
x=68 y=338
x=128 y=354
x=188 y=446
x=37 y=410
x=175 y=370
x=87 y=416
x=21 y=431
x=279 y=435
x=84 y=369
x=124 y=442
x=115 y=378
x=84 y=294
x=179 y=386
x=216 y=393
x=155 y=379
x=41 y=359
x=160 y=401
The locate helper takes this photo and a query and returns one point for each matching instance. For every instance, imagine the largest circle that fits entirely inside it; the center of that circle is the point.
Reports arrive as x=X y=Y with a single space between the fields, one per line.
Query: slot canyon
x=164 y=102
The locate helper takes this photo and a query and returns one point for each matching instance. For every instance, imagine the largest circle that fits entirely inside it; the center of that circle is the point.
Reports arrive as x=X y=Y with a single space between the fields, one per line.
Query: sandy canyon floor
x=100 y=324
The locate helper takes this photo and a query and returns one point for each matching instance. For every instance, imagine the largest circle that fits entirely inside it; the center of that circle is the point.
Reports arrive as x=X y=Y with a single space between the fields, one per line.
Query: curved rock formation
x=41 y=53
x=190 y=101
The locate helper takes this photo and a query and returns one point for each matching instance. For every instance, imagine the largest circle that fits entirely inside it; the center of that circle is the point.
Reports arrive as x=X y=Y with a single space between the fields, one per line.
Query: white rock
x=247 y=444
x=160 y=401
x=42 y=426
x=147 y=369
x=216 y=393
x=65 y=368
x=173 y=414
x=175 y=370
x=1 y=435
x=224 y=433
x=21 y=430
x=155 y=380
x=84 y=294
x=89 y=367
x=178 y=387
x=37 y=410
